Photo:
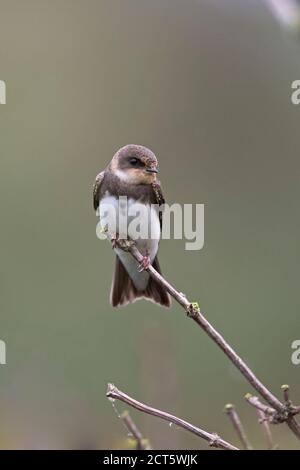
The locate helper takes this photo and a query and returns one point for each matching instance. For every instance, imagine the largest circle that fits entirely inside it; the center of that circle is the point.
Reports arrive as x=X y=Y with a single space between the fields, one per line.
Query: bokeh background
x=206 y=84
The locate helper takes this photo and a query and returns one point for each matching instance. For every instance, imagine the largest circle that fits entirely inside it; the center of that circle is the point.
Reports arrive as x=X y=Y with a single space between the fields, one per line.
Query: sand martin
x=132 y=172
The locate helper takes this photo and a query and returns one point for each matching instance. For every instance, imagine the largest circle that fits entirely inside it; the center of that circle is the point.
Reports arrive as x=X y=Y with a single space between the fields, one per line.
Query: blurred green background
x=206 y=84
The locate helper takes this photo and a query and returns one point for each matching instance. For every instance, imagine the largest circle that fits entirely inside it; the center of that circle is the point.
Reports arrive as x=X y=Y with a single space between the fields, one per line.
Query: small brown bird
x=132 y=173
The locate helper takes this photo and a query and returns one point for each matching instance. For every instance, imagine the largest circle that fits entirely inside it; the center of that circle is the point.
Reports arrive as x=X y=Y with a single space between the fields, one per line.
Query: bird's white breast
x=142 y=225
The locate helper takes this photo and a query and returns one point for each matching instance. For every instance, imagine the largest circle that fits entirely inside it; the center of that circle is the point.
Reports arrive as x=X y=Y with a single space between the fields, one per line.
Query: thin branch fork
x=193 y=311
x=293 y=410
x=213 y=439
x=142 y=443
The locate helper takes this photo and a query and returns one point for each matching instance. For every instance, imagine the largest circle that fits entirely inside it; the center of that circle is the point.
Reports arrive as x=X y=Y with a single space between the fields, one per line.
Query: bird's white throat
x=126 y=176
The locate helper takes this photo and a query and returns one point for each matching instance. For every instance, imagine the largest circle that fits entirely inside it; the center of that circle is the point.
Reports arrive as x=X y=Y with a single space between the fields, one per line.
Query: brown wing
x=158 y=199
x=96 y=189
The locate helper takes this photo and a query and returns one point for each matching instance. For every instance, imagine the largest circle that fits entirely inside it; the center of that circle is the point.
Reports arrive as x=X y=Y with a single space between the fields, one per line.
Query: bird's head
x=135 y=164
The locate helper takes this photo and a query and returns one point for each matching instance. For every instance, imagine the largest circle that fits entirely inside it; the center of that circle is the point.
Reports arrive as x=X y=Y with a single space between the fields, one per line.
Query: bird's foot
x=114 y=241
x=121 y=243
x=145 y=263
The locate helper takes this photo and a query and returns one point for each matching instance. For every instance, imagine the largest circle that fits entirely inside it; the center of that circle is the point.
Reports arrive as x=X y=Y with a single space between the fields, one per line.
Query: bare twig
x=142 y=443
x=286 y=12
x=254 y=401
x=237 y=424
x=286 y=394
x=293 y=410
x=264 y=421
x=193 y=311
x=213 y=439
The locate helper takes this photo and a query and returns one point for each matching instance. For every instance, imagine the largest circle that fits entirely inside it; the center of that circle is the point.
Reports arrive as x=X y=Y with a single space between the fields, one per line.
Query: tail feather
x=123 y=290
x=155 y=291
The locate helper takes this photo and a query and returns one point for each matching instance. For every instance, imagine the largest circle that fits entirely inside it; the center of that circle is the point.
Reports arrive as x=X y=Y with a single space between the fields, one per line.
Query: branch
x=193 y=312
x=264 y=421
x=286 y=394
x=254 y=401
x=237 y=424
x=213 y=439
x=294 y=410
x=142 y=444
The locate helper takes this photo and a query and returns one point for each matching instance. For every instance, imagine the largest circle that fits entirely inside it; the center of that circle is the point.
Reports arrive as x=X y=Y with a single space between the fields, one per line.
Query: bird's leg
x=114 y=240
x=122 y=243
x=145 y=263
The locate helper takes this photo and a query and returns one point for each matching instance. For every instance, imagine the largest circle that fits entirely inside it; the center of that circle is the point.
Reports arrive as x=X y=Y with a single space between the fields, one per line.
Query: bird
x=132 y=175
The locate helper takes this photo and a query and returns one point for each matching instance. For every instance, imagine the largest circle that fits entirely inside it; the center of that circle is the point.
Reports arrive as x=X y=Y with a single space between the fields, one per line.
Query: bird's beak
x=152 y=170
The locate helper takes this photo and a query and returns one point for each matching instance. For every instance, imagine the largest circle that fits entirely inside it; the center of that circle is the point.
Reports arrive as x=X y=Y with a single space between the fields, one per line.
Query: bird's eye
x=134 y=161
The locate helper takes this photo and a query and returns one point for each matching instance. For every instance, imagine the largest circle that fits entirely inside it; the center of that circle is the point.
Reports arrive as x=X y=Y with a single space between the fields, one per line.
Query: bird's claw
x=145 y=263
x=121 y=243
x=114 y=241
